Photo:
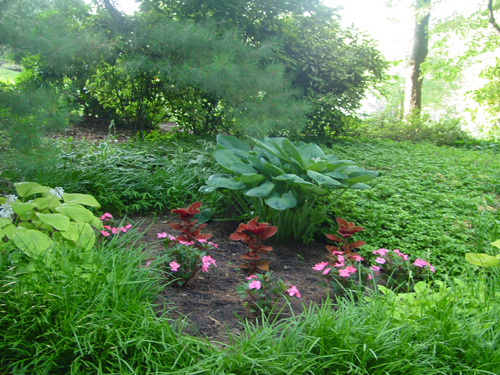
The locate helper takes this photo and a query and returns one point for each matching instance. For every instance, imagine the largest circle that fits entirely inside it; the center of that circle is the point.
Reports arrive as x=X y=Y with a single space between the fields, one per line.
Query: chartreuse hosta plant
x=281 y=181
x=41 y=218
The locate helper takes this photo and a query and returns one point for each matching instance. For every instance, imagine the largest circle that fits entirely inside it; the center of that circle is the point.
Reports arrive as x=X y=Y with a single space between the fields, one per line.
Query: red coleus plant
x=346 y=230
x=191 y=231
x=252 y=234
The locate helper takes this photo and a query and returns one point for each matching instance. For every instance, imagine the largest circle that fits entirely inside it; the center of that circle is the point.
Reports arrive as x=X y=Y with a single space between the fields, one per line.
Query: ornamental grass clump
x=252 y=234
x=283 y=182
x=262 y=292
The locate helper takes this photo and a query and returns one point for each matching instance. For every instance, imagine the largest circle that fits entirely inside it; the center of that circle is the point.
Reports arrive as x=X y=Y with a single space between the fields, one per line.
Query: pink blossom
x=106 y=227
x=351 y=269
x=113 y=230
x=123 y=229
x=251 y=277
x=376 y=269
x=337 y=252
x=174 y=266
x=207 y=261
x=420 y=263
x=320 y=266
x=344 y=273
x=171 y=238
x=380 y=252
x=370 y=277
x=356 y=257
x=186 y=243
x=254 y=285
x=325 y=271
x=341 y=261
x=202 y=240
x=380 y=260
x=213 y=244
x=104 y=233
x=401 y=255
x=148 y=263
x=128 y=226
x=106 y=216
x=162 y=235
x=293 y=291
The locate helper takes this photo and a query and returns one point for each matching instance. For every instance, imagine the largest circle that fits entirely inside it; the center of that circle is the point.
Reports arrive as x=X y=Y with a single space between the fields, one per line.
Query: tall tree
x=413 y=94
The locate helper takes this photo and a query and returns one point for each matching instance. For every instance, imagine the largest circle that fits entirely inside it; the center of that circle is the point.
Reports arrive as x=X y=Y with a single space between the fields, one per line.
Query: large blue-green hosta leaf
x=282 y=202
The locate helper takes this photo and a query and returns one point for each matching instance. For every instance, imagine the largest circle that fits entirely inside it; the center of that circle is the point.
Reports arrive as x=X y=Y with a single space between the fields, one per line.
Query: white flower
x=58 y=192
x=6 y=211
x=10 y=198
x=317 y=159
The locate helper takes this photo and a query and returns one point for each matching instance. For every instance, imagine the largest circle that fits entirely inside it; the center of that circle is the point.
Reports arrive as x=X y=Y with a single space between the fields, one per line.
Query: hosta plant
x=39 y=219
x=281 y=181
x=252 y=234
x=263 y=291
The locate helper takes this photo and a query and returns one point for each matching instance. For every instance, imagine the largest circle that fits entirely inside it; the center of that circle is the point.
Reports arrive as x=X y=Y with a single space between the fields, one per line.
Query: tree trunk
x=413 y=95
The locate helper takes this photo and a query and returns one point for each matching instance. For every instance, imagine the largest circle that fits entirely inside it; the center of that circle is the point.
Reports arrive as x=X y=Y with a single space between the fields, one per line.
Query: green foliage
x=388 y=125
x=281 y=181
x=39 y=226
x=426 y=201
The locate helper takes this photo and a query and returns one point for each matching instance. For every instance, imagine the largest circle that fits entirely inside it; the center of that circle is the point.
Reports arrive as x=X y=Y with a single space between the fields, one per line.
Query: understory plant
x=252 y=234
x=344 y=270
x=191 y=230
x=262 y=292
x=282 y=182
x=40 y=219
x=183 y=259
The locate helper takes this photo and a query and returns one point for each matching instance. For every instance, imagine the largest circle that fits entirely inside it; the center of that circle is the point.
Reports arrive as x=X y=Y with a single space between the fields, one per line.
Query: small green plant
x=38 y=225
x=281 y=182
x=484 y=260
x=263 y=292
x=185 y=259
x=252 y=234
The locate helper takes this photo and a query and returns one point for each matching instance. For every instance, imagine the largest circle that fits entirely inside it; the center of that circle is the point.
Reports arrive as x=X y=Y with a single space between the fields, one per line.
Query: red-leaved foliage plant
x=344 y=248
x=191 y=231
x=252 y=234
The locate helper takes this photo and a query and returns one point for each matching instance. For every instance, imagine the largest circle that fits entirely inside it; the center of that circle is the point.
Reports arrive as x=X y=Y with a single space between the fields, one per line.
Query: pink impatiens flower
x=380 y=252
x=104 y=233
x=162 y=235
x=251 y=277
x=106 y=216
x=174 y=266
x=400 y=254
x=325 y=271
x=380 y=260
x=356 y=257
x=293 y=291
x=422 y=263
x=207 y=261
x=344 y=273
x=320 y=266
x=376 y=269
x=254 y=285
x=341 y=261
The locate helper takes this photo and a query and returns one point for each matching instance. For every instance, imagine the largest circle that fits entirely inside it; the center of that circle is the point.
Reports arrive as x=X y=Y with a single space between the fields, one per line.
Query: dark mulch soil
x=210 y=303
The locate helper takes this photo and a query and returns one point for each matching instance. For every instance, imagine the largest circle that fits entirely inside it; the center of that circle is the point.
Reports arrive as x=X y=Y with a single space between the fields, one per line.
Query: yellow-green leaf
x=25 y=189
x=58 y=221
x=87 y=200
x=81 y=233
x=49 y=202
x=33 y=243
x=76 y=212
x=21 y=208
x=482 y=260
x=496 y=243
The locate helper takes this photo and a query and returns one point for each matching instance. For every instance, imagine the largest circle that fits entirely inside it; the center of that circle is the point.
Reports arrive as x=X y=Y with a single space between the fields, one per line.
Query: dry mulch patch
x=210 y=303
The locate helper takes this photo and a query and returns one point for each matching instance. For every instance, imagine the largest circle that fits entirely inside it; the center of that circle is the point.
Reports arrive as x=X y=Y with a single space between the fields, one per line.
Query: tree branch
x=492 y=18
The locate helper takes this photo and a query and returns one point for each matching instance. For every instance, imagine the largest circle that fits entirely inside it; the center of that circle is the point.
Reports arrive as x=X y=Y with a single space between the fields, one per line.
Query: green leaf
x=232 y=162
x=323 y=180
x=50 y=202
x=25 y=189
x=251 y=179
x=317 y=217
x=223 y=181
x=58 y=221
x=87 y=200
x=291 y=150
x=33 y=243
x=281 y=203
x=204 y=216
x=4 y=221
x=80 y=233
x=360 y=186
x=21 y=208
x=272 y=169
x=311 y=151
x=207 y=189
x=230 y=143
x=482 y=260
x=76 y=212
x=496 y=243
x=361 y=176
x=336 y=175
x=261 y=190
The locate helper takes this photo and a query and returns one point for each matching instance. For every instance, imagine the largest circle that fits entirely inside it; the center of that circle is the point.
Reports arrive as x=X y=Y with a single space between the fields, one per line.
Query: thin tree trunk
x=491 y=18
x=413 y=94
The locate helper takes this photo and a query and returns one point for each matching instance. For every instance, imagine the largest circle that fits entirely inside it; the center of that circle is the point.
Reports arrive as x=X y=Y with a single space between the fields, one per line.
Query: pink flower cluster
x=112 y=230
x=207 y=260
x=383 y=252
x=343 y=272
x=173 y=239
x=422 y=263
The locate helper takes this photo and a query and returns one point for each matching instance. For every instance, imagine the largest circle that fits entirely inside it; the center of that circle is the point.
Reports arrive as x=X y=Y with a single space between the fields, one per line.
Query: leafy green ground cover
x=426 y=201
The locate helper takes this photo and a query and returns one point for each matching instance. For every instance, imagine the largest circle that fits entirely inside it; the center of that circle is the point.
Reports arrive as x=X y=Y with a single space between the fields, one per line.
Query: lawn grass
x=8 y=74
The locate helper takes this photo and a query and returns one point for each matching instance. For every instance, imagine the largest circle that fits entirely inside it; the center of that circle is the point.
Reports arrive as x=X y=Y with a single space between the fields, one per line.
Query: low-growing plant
x=252 y=234
x=183 y=260
x=262 y=292
x=281 y=182
x=38 y=225
x=484 y=260
x=191 y=230
x=109 y=230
